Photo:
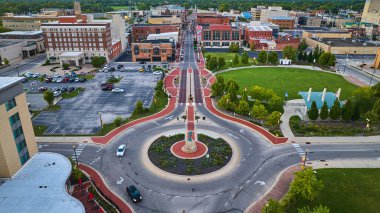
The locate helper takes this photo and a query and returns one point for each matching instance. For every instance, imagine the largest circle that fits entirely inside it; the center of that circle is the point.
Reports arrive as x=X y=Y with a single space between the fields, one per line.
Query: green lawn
x=72 y=94
x=292 y=80
x=346 y=190
x=228 y=57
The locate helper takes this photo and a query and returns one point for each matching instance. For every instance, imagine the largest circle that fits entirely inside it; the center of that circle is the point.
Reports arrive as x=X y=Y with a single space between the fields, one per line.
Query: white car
x=157 y=73
x=77 y=79
x=59 y=80
x=36 y=75
x=28 y=74
x=57 y=93
x=56 y=75
x=120 y=151
x=117 y=90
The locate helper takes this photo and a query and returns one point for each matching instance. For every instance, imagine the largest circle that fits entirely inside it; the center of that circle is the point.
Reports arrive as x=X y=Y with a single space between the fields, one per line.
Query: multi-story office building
x=256 y=12
x=161 y=50
x=220 y=35
x=272 y=11
x=17 y=142
x=257 y=34
x=284 y=22
x=84 y=39
x=25 y=23
x=140 y=32
x=212 y=18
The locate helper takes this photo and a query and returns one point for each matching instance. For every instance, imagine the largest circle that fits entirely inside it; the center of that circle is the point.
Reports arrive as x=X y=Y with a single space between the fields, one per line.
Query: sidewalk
x=81 y=193
x=68 y=139
x=104 y=188
x=278 y=190
x=362 y=163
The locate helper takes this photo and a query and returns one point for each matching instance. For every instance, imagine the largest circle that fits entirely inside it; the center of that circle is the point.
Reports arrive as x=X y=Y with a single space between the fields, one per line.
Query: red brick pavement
x=102 y=186
x=280 y=188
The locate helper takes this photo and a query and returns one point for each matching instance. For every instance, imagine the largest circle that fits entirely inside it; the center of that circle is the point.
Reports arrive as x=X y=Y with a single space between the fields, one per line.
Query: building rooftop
x=6 y=82
x=147 y=25
x=8 y=43
x=157 y=41
x=259 y=28
x=40 y=187
x=35 y=32
x=281 y=18
x=348 y=42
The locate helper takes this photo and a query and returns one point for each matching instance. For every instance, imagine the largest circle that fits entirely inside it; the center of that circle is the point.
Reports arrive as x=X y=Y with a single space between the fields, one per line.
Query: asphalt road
x=345 y=68
x=23 y=66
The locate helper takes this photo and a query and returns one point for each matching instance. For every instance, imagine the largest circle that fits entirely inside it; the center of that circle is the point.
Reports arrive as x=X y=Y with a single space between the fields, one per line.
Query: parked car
x=134 y=194
x=56 y=89
x=56 y=75
x=71 y=89
x=117 y=90
x=121 y=150
x=28 y=74
x=48 y=79
x=57 y=93
x=59 y=80
x=65 y=79
x=122 y=69
x=141 y=70
x=76 y=79
x=120 y=66
x=42 y=89
x=157 y=73
x=112 y=69
x=67 y=74
x=107 y=87
x=71 y=79
x=64 y=89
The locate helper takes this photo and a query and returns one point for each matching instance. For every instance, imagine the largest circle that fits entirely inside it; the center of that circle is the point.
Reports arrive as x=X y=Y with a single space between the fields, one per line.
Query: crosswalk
x=78 y=150
x=300 y=151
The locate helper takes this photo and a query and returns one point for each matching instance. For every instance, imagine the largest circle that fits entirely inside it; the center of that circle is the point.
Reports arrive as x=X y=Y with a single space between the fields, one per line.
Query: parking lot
x=80 y=115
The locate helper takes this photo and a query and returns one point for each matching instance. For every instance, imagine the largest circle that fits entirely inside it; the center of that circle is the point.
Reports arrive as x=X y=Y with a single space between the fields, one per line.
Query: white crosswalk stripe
x=78 y=150
x=299 y=149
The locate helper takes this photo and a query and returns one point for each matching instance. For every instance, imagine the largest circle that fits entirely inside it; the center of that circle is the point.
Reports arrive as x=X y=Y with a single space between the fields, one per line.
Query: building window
x=226 y=44
x=216 y=35
x=235 y=35
x=216 y=44
x=17 y=132
x=10 y=104
x=206 y=35
x=14 y=118
x=226 y=35
x=156 y=51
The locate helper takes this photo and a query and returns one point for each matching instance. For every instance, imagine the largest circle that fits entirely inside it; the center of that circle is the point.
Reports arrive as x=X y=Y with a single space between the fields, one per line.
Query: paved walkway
x=104 y=188
x=63 y=139
x=278 y=190
x=362 y=163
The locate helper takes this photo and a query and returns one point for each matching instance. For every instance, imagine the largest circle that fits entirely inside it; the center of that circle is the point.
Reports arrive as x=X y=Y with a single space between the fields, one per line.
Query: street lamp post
x=306 y=152
x=18 y=73
x=75 y=154
x=101 y=122
x=313 y=63
x=266 y=207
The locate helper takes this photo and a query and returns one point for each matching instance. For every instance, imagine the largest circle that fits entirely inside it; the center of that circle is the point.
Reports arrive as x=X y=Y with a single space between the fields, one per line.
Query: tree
x=235 y=61
x=6 y=61
x=306 y=184
x=365 y=97
x=244 y=58
x=290 y=53
x=275 y=103
x=318 y=209
x=356 y=113
x=375 y=112
x=347 y=110
x=234 y=48
x=118 y=121
x=65 y=66
x=326 y=59
x=49 y=97
x=217 y=88
x=232 y=89
x=221 y=62
x=226 y=103
x=258 y=111
x=262 y=57
x=261 y=93
x=252 y=46
x=324 y=111
x=303 y=45
x=273 y=206
x=212 y=64
x=310 y=58
x=274 y=118
x=223 y=7
x=98 y=61
x=273 y=57
x=139 y=107
x=47 y=62
x=242 y=108
x=313 y=111
x=244 y=95
x=335 y=110
x=186 y=5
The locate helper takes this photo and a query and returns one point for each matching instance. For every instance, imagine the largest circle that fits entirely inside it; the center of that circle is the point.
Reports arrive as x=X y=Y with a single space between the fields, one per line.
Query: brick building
x=285 y=39
x=257 y=34
x=212 y=19
x=161 y=50
x=219 y=35
x=284 y=22
x=140 y=32
x=84 y=39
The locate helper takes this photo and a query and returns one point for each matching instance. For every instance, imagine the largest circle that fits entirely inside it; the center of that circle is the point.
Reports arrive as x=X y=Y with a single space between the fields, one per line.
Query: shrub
x=118 y=121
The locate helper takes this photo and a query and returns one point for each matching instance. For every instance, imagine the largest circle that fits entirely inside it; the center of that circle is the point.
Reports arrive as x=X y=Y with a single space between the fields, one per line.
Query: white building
x=271 y=12
x=170 y=35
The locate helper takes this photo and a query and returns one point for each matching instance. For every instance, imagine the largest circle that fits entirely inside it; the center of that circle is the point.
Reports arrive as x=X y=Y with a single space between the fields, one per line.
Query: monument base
x=189 y=147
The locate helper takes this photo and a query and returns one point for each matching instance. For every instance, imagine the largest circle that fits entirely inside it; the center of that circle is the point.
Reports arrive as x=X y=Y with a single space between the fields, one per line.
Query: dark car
x=120 y=66
x=107 y=87
x=82 y=79
x=70 y=89
x=65 y=80
x=112 y=69
x=23 y=80
x=71 y=79
x=134 y=194
x=48 y=79
x=64 y=89
x=42 y=89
